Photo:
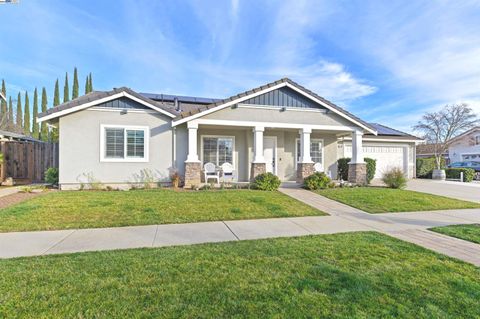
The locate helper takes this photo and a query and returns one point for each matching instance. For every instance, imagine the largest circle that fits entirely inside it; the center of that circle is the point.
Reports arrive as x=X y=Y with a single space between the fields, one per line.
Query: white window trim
x=126 y=159
x=297 y=140
x=218 y=136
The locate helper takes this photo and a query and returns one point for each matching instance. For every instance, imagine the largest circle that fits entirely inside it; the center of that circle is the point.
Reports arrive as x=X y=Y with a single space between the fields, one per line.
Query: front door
x=270 y=154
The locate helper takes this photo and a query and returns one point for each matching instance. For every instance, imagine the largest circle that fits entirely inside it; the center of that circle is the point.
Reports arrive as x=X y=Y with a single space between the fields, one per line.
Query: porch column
x=193 y=167
x=258 y=164
x=305 y=163
x=357 y=168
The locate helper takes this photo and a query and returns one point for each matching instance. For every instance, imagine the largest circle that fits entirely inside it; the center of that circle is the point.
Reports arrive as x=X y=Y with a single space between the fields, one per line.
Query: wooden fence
x=26 y=162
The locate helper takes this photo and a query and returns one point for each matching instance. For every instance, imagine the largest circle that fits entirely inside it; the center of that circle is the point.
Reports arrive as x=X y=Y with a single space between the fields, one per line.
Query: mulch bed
x=16 y=198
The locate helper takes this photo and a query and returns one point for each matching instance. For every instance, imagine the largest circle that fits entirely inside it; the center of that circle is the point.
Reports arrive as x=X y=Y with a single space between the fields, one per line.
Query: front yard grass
x=354 y=275
x=93 y=209
x=465 y=232
x=377 y=200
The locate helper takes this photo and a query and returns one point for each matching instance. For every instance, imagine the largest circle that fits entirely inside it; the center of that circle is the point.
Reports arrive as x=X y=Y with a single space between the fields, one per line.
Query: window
x=316 y=150
x=217 y=150
x=477 y=140
x=125 y=144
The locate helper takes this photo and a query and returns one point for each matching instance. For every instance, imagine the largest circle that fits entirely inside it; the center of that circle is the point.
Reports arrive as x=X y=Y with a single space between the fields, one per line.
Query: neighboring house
x=428 y=150
x=11 y=136
x=120 y=136
x=466 y=146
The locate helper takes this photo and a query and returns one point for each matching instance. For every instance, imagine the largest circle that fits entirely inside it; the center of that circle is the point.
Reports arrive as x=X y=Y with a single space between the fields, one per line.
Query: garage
x=387 y=156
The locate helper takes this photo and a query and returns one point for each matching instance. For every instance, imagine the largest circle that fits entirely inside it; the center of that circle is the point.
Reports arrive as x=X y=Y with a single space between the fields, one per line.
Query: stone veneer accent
x=193 y=173
x=357 y=173
x=257 y=169
x=304 y=170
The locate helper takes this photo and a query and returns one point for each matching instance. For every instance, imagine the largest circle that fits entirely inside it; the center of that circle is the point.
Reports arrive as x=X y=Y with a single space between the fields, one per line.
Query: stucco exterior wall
x=79 y=149
x=464 y=146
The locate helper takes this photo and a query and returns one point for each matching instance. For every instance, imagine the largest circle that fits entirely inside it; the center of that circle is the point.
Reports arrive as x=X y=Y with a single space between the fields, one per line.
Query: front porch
x=291 y=152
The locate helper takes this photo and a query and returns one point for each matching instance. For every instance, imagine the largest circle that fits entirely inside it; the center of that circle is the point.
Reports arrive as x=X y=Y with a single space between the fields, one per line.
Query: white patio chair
x=318 y=167
x=210 y=172
x=228 y=172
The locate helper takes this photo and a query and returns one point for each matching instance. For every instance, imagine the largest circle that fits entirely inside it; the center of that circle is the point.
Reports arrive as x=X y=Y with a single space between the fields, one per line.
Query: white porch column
x=305 y=145
x=258 y=144
x=357 y=148
x=192 y=142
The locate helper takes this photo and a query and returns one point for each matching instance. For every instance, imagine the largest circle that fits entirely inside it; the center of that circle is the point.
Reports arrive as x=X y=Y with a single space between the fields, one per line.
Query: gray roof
x=17 y=136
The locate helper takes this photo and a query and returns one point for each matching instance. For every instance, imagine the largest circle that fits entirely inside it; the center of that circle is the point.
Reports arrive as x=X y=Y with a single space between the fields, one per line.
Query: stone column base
x=357 y=173
x=257 y=169
x=193 y=173
x=304 y=170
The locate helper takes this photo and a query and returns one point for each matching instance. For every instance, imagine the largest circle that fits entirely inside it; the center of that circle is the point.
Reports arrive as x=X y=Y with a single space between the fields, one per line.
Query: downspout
x=174 y=148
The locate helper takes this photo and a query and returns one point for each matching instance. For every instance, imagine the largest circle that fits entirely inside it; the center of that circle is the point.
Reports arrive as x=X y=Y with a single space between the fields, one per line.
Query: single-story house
x=121 y=137
x=428 y=151
x=466 y=146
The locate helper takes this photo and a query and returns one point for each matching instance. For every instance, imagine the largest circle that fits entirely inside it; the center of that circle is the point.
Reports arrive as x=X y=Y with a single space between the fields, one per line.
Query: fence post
x=461 y=177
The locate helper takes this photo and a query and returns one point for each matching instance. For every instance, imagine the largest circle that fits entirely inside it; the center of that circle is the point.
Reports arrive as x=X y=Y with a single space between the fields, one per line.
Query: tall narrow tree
x=56 y=94
x=10 y=112
x=19 y=115
x=87 y=85
x=26 y=117
x=66 y=97
x=3 y=107
x=90 y=82
x=35 y=131
x=44 y=128
x=75 y=84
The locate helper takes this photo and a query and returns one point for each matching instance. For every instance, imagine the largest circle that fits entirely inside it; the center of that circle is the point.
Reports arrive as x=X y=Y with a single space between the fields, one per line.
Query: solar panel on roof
x=185 y=99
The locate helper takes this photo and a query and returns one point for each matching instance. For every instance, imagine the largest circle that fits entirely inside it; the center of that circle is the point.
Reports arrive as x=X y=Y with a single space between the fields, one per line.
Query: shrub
x=1 y=158
x=266 y=182
x=454 y=173
x=425 y=166
x=342 y=168
x=51 y=176
x=394 y=178
x=317 y=180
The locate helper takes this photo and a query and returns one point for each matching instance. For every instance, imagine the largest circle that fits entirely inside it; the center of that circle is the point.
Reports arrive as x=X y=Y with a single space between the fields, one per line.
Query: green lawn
x=86 y=209
x=354 y=275
x=386 y=200
x=465 y=232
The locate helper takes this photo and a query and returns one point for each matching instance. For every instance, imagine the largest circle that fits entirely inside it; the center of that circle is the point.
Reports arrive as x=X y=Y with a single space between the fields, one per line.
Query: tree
x=56 y=94
x=90 y=82
x=87 y=85
x=19 y=115
x=35 y=131
x=66 y=97
x=3 y=107
x=10 y=112
x=440 y=127
x=26 y=118
x=44 y=128
x=75 y=84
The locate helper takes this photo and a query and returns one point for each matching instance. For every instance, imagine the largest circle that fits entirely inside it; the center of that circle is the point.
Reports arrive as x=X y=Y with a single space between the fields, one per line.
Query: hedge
x=454 y=173
x=342 y=168
x=425 y=166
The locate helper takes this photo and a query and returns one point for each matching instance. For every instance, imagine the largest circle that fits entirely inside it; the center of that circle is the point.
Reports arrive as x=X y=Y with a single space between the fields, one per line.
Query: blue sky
x=385 y=61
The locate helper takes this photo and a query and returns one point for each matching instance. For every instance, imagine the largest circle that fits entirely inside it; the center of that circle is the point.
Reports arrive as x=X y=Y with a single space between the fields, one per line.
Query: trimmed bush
x=318 y=180
x=394 y=178
x=266 y=182
x=454 y=173
x=51 y=176
x=425 y=166
x=342 y=168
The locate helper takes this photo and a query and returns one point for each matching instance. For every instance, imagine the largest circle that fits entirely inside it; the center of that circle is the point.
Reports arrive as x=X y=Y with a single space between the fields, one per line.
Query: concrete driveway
x=464 y=191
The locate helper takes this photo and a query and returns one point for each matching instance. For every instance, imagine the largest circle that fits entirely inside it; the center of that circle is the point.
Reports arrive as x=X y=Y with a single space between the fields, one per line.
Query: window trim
x=297 y=140
x=218 y=136
x=477 y=140
x=146 y=142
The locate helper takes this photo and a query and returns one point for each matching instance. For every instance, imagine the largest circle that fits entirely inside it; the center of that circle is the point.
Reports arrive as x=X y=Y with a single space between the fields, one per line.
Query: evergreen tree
x=19 y=115
x=3 y=107
x=75 y=84
x=56 y=94
x=66 y=97
x=87 y=85
x=35 y=132
x=44 y=128
x=26 y=118
x=90 y=84
x=10 y=112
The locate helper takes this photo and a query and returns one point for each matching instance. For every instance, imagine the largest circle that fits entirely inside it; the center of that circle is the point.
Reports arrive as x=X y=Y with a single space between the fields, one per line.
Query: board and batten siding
x=284 y=97
x=79 y=149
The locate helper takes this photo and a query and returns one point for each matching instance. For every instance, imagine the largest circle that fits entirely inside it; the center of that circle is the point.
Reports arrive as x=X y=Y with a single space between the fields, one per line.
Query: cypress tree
x=56 y=94
x=66 y=97
x=75 y=84
x=35 y=132
x=3 y=107
x=87 y=85
x=26 y=118
x=44 y=128
x=90 y=84
x=19 y=115
x=10 y=112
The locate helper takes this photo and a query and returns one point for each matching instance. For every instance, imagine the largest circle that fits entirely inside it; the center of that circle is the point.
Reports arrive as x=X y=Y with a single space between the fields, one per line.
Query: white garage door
x=387 y=157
